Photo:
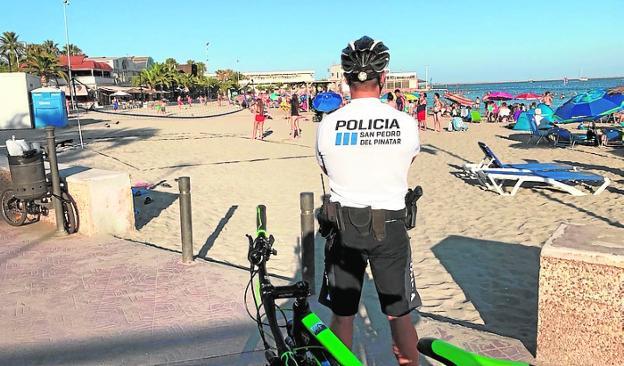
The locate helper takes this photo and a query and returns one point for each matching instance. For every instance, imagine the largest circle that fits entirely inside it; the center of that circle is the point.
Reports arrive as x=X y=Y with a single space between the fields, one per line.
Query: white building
x=278 y=77
x=125 y=68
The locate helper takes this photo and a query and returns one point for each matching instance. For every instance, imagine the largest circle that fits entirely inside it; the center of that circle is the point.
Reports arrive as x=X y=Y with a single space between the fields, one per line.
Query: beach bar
x=581 y=297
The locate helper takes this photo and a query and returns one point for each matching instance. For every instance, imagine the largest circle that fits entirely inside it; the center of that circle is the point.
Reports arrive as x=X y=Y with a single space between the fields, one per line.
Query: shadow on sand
x=501 y=281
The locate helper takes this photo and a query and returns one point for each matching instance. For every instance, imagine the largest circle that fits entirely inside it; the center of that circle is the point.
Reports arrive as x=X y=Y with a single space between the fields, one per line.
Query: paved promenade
x=104 y=301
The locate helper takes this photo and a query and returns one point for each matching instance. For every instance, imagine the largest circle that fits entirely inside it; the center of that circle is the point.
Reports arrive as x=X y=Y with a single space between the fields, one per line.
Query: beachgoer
x=477 y=103
x=294 y=116
x=189 y=100
x=115 y=104
x=547 y=98
x=391 y=102
x=258 y=125
x=180 y=102
x=368 y=183
x=400 y=100
x=503 y=113
x=437 y=110
x=421 y=111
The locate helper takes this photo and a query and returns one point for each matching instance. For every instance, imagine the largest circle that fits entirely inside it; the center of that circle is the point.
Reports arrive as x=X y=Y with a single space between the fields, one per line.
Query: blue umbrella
x=589 y=106
x=327 y=102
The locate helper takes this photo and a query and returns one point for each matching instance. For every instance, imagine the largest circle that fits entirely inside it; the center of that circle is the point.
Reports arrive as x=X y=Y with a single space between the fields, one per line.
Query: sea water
x=561 y=91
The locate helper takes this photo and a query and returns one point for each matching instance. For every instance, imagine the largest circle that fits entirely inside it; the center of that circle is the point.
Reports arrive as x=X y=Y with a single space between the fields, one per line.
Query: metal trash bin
x=28 y=175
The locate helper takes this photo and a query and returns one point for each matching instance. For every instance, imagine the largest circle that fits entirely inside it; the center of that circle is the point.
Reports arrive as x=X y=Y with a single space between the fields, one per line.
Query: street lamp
x=71 y=79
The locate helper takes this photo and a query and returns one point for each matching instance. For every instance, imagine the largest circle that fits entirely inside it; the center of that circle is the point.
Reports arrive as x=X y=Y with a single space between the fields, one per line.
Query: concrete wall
x=581 y=297
x=15 y=99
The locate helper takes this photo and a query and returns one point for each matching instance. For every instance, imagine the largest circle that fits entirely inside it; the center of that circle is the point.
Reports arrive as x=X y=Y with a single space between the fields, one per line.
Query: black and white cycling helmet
x=364 y=59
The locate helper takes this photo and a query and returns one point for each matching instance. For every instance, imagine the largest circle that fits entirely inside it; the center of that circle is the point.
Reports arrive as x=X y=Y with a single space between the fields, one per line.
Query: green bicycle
x=308 y=341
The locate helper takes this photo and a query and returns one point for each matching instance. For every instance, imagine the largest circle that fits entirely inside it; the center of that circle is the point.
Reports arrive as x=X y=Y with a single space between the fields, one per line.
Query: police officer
x=366 y=149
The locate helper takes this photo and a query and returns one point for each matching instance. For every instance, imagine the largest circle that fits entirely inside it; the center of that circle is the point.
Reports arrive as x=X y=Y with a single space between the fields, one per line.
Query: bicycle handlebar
x=261 y=218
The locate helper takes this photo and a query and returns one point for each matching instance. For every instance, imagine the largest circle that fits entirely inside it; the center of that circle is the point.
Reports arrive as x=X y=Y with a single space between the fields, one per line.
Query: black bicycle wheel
x=70 y=213
x=13 y=208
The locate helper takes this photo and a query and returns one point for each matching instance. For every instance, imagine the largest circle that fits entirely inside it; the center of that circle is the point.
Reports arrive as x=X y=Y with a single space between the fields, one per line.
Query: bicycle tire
x=7 y=200
x=71 y=221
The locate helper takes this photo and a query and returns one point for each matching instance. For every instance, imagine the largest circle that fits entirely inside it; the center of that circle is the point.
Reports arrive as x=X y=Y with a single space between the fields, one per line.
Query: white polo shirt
x=366 y=148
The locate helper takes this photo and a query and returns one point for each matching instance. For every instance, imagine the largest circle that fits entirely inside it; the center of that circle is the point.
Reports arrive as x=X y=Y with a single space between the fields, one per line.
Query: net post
x=186 y=221
x=306 y=202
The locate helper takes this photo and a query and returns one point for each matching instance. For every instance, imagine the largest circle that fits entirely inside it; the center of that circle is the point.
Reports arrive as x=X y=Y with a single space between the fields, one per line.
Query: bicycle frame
x=306 y=331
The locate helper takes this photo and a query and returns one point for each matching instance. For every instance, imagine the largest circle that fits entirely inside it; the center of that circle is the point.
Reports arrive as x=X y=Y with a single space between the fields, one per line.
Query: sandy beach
x=475 y=253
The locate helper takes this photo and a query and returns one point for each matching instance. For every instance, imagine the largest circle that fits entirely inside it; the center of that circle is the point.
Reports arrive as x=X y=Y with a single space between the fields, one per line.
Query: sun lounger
x=564 y=137
x=494 y=179
x=491 y=161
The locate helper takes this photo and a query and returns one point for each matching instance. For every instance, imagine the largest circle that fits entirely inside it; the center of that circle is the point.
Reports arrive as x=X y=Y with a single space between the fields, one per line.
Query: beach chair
x=564 y=137
x=495 y=179
x=537 y=133
x=612 y=137
x=491 y=161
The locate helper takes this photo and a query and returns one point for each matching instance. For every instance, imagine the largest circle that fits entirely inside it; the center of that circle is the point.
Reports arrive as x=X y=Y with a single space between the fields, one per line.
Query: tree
x=51 y=47
x=46 y=65
x=11 y=48
x=73 y=50
x=201 y=68
x=190 y=61
x=171 y=62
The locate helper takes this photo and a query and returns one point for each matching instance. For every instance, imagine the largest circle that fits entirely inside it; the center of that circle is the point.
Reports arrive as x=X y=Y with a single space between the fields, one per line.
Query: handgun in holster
x=411 y=198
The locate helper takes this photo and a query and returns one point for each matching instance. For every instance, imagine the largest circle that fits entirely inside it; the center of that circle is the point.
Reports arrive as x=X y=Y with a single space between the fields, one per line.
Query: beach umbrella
x=458 y=98
x=589 y=106
x=528 y=96
x=409 y=96
x=498 y=95
x=385 y=96
x=327 y=102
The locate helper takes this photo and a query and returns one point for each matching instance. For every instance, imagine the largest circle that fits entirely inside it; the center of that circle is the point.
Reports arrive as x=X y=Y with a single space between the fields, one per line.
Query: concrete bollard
x=56 y=181
x=306 y=201
x=186 y=220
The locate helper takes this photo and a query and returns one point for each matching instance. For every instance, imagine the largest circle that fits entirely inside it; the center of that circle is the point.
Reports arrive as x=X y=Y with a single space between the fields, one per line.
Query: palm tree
x=171 y=61
x=11 y=48
x=73 y=50
x=39 y=62
x=51 y=46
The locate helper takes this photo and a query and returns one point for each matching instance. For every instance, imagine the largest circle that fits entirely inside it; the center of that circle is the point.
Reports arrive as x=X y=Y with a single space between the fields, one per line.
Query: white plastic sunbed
x=494 y=179
x=491 y=161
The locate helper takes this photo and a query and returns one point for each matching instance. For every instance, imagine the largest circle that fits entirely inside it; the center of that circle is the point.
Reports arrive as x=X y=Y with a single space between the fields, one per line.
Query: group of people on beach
x=259 y=106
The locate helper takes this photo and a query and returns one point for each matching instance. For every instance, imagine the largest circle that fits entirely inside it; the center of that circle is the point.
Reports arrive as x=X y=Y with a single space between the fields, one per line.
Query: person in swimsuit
x=421 y=111
x=437 y=110
x=294 y=116
x=258 y=125
x=547 y=98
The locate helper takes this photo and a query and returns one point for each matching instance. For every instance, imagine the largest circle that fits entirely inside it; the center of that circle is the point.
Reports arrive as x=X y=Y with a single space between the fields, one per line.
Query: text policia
x=368 y=132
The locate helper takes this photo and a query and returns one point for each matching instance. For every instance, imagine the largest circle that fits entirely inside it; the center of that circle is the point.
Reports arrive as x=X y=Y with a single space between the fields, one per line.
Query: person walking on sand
x=189 y=100
x=421 y=111
x=180 y=102
x=437 y=110
x=294 y=116
x=258 y=125
x=368 y=185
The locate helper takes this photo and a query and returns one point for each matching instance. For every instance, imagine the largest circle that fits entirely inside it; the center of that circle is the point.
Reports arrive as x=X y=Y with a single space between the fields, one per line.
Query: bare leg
x=405 y=339
x=255 y=130
x=342 y=326
x=261 y=128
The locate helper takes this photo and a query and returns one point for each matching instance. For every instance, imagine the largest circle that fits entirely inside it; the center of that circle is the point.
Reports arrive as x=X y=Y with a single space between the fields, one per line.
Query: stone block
x=103 y=198
x=581 y=297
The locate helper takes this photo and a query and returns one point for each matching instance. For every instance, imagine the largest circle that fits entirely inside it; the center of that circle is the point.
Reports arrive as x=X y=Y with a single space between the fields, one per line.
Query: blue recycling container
x=49 y=107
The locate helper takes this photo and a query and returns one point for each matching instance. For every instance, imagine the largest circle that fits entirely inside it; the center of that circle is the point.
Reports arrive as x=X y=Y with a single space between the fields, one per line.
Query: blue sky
x=461 y=41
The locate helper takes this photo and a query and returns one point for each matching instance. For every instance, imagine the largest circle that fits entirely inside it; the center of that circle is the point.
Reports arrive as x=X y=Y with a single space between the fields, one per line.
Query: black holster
x=329 y=217
x=411 y=198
